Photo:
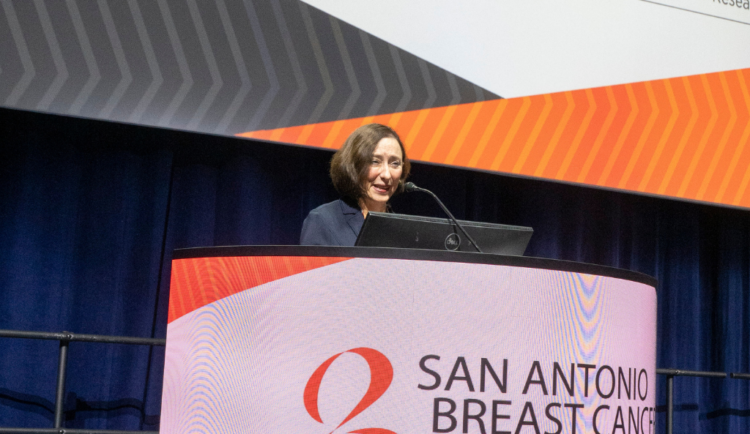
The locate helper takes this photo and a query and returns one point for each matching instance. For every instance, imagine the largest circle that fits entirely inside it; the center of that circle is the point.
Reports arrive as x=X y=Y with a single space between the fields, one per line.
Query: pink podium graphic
x=384 y=341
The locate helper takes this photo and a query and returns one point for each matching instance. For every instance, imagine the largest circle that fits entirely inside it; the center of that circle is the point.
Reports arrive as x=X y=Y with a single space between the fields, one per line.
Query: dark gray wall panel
x=222 y=66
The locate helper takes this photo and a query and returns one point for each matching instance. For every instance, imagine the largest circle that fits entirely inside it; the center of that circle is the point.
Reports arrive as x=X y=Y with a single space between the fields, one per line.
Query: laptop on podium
x=416 y=232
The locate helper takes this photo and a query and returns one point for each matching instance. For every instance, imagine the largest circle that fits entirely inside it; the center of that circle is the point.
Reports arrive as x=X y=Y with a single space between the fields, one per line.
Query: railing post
x=60 y=394
x=670 y=403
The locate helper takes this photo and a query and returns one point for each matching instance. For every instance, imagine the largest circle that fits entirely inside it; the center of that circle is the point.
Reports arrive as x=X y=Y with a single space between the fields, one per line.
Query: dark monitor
x=415 y=232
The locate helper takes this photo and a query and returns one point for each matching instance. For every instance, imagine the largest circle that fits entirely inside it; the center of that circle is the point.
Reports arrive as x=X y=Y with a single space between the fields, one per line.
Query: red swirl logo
x=381 y=375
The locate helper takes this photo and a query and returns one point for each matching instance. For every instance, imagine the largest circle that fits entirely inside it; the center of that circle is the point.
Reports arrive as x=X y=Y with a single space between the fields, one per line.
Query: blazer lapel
x=353 y=217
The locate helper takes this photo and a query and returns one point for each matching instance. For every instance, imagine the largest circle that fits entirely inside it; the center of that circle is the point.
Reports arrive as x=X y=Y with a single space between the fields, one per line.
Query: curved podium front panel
x=378 y=341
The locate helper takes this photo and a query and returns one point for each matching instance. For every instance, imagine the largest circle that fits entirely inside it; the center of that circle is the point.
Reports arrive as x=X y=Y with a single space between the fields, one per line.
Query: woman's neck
x=377 y=207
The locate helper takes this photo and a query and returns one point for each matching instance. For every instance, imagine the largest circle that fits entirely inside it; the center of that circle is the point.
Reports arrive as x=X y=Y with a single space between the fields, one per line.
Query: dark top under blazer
x=333 y=224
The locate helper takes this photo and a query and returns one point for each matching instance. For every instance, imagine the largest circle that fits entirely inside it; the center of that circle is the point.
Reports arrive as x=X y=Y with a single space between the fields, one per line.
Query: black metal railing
x=65 y=338
x=671 y=373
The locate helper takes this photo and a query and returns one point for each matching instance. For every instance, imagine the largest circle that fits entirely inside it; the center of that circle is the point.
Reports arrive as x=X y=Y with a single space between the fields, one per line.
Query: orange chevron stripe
x=465 y=129
x=534 y=135
x=666 y=149
x=687 y=128
x=508 y=139
x=450 y=136
x=552 y=114
x=600 y=135
x=694 y=163
x=414 y=146
x=724 y=112
x=614 y=157
x=616 y=135
x=709 y=181
x=488 y=131
x=514 y=152
x=500 y=130
x=441 y=141
x=684 y=137
x=702 y=117
x=557 y=134
x=738 y=156
x=643 y=125
x=583 y=127
x=675 y=113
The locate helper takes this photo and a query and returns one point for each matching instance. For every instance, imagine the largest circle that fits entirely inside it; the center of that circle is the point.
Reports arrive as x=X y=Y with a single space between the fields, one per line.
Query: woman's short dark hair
x=351 y=163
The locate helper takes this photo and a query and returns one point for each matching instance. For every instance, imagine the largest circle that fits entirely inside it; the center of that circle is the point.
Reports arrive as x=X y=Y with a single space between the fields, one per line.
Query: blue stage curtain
x=91 y=211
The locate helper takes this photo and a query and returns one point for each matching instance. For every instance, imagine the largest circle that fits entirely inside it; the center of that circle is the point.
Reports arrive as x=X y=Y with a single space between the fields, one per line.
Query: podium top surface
x=418 y=255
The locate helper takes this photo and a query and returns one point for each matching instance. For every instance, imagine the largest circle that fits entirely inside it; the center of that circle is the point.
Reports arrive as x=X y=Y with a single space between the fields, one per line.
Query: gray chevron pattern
x=222 y=67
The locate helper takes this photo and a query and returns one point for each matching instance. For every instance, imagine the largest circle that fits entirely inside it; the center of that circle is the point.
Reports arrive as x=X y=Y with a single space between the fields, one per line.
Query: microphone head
x=409 y=187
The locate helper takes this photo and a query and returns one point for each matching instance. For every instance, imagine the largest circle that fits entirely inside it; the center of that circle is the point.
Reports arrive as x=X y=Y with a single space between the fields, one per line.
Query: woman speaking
x=369 y=169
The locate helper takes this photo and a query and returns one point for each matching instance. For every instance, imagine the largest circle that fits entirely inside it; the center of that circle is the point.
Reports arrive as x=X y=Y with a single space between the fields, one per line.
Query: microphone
x=410 y=186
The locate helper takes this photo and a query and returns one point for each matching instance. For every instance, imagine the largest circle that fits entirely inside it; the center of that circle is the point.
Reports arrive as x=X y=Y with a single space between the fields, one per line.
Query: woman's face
x=384 y=174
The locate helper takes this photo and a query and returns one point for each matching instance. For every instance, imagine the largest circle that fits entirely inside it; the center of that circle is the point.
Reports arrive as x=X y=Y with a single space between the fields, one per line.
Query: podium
x=283 y=339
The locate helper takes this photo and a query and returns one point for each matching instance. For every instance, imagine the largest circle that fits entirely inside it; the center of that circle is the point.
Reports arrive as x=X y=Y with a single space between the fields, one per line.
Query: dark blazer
x=333 y=224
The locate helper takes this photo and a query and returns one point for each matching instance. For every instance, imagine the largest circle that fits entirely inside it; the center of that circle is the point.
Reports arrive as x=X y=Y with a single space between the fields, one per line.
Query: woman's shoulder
x=334 y=208
x=327 y=225
x=327 y=208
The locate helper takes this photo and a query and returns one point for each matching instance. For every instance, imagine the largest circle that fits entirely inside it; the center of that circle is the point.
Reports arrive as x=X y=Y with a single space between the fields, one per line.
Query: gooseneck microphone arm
x=410 y=186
